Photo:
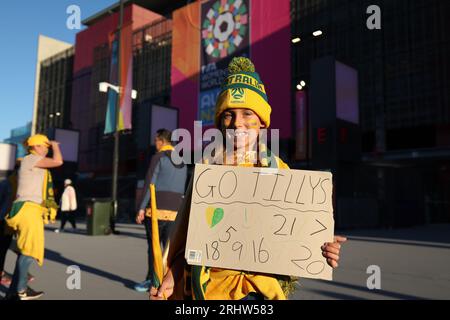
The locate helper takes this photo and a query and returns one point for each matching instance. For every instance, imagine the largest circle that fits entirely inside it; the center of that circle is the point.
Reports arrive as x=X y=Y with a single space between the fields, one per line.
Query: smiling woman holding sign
x=242 y=111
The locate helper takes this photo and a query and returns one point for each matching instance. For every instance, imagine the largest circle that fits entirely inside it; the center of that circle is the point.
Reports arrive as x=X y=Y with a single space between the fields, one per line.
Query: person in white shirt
x=68 y=205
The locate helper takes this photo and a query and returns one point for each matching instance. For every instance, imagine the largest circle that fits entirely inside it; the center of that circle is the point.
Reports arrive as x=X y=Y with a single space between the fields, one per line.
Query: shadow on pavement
x=130 y=226
x=132 y=234
x=335 y=295
x=382 y=294
x=57 y=257
x=83 y=232
x=437 y=235
x=401 y=242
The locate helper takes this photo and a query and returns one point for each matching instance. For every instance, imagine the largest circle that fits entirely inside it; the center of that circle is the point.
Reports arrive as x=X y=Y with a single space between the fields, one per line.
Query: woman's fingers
x=340 y=239
x=332 y=263
x=331 y=248
x=330 y=255
x=154 y=294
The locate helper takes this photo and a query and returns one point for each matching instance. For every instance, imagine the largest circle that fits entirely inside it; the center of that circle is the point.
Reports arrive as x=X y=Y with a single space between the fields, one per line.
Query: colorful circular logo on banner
x=225 y=27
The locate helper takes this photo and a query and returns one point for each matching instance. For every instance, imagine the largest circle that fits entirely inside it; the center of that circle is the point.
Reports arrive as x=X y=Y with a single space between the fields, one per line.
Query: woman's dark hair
x=164 y=134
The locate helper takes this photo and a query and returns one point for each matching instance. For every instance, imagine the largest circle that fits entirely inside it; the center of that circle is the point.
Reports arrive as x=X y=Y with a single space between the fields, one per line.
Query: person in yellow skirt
x=33 y=207
x=243 y=107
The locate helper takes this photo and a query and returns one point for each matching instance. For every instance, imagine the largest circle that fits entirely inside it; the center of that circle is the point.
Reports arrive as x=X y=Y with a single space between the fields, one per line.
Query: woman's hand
x=166 y=288
x=140 y=216
x=331 y=251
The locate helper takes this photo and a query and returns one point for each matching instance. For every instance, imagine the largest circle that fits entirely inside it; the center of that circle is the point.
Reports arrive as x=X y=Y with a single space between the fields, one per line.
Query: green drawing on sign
x=217 y=217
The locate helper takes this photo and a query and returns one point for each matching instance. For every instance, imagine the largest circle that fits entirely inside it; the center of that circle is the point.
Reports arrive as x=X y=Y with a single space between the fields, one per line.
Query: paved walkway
x=414 y=265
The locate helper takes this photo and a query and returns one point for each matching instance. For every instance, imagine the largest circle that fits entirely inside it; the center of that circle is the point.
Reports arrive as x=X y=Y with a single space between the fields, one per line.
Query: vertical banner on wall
x=225 y=33
x=186 y=63
x=271 y=53
x=301 y=121
x=207 y=35
x=126 y=82
x=110 y=122
x=126 y=75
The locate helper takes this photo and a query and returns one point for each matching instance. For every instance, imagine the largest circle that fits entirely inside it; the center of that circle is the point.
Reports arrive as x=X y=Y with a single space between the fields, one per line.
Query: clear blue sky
x=21 y=22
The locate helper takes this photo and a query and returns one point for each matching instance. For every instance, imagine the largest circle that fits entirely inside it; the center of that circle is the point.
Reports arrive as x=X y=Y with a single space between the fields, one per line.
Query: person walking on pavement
x=169 y=180
x=33 y=207
x=68 y=205
x=8 y=192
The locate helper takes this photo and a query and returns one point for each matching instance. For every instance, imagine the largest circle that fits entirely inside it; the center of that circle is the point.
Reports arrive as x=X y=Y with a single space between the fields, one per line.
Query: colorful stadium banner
x=186 y=63
x=197 y=47
x=225 y=33
x=271 y=53
x=126 y=82
x=110 y=122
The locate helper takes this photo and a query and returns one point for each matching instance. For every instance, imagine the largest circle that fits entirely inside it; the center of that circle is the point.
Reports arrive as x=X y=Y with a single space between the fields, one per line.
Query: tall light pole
x=104 y=87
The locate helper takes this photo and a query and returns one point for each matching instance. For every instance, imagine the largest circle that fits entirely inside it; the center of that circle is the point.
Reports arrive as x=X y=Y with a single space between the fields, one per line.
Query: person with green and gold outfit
x=243 y=107
x=33 y=207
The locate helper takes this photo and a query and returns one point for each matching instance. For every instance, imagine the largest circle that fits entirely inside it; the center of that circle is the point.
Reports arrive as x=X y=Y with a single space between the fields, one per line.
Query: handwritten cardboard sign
x=261 y=219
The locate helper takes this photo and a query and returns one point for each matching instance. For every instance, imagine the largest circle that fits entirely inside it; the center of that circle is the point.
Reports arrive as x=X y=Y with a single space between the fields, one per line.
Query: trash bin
x=98 y=214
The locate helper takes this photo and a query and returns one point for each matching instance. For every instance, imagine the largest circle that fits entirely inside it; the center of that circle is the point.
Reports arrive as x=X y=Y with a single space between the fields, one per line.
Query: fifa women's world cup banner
x=225 y=33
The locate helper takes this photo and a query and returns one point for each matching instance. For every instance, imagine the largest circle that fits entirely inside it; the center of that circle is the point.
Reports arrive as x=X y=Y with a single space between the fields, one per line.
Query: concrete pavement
x=414 y=264
x=110 y=265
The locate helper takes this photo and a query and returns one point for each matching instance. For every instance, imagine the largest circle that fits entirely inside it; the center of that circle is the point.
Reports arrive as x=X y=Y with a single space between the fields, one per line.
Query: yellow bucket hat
x=38 y=140
x=243 y=89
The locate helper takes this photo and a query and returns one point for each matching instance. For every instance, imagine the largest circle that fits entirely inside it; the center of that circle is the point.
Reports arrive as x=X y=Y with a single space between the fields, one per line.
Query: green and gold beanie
x=243 y=89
